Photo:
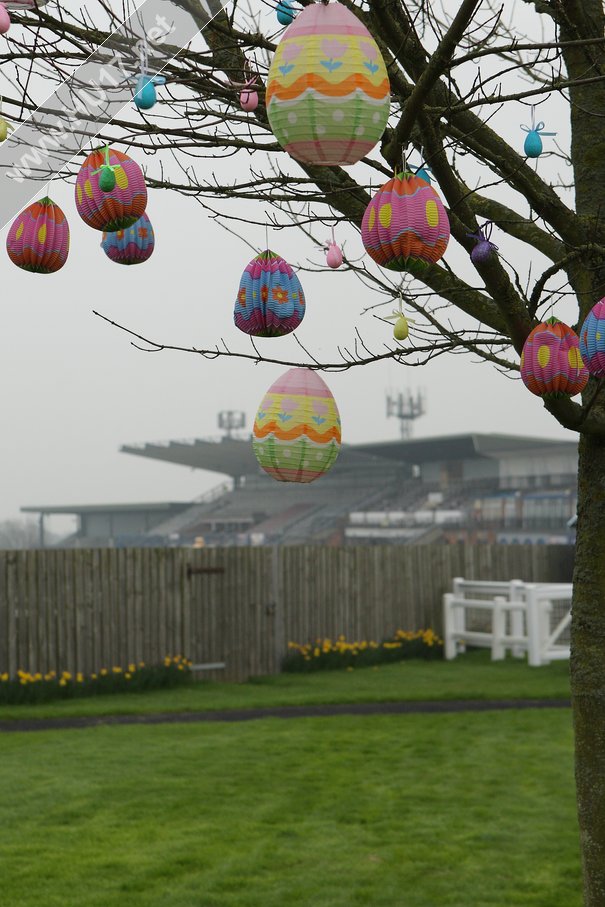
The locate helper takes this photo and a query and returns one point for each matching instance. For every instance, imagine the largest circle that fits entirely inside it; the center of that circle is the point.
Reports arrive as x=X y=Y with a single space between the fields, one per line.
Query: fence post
x=545 y=612
x=456 y=586
x=277 y=604
x=449 y=643
x=458 y=613
x=534 y=626
x=517 y=615
x=498 y=629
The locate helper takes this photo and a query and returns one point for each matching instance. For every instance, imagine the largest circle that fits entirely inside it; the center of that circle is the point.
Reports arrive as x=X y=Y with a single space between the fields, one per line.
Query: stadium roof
x=235 y=457
x=155 y=507
x=463 y=447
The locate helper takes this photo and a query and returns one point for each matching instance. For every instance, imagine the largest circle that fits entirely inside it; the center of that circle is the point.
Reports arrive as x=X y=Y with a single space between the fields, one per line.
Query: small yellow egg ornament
x=5 y=128
x=402 y=324
x=401 y=329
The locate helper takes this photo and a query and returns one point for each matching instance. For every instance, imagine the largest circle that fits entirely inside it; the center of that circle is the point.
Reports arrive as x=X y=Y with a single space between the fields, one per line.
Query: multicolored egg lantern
x=296 y=435
x=38 y=239
x=270 y=301
x=328 y=93
x=115 y=208
x=551 y=362
x=405 y=226
x=592 y=340
x=132 y=245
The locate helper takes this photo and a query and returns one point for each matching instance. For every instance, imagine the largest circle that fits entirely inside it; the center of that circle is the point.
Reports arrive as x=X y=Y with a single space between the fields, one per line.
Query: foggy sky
x=74 y=389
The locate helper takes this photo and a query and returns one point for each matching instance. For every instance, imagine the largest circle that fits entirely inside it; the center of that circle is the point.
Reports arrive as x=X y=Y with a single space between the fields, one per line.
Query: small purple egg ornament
x=484 y=248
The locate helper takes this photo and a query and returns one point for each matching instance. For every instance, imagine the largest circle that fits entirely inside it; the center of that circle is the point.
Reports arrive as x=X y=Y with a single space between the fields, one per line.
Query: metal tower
x=406 y=408
x=231 y=421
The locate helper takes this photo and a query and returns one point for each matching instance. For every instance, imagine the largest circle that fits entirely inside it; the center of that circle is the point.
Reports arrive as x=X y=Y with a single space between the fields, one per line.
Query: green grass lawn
x=472 y=676
x=456 y=810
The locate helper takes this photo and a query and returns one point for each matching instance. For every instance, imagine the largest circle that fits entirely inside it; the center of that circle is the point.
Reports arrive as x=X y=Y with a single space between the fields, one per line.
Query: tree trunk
x=588 y=666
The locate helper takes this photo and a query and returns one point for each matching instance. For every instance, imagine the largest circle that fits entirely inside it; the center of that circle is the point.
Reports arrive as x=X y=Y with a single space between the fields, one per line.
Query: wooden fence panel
x=86 y=610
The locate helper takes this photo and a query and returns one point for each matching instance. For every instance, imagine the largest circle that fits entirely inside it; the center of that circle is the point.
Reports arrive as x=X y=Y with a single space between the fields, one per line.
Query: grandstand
x=475 y=487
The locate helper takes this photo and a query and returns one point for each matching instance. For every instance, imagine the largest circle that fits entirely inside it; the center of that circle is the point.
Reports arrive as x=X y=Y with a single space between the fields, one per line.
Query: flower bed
x=325 y=654
x=25 y=687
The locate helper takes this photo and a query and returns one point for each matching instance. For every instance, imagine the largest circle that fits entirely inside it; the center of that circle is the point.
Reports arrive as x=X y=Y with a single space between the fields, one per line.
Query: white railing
x=513 y=616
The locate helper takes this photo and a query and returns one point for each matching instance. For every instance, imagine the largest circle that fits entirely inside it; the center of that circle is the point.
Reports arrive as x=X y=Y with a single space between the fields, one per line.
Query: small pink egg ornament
x=5 y=19
x=248 y=100
x=334 y=256
x=333 y=252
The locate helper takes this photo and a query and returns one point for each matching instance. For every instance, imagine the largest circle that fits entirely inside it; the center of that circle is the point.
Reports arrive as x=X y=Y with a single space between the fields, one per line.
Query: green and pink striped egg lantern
x=551 y=362
x=405 y=227
x=328 y=94
x=110 y=191
x=38 y=239
x=270 y=300
x=592 y=340
x=296 y=436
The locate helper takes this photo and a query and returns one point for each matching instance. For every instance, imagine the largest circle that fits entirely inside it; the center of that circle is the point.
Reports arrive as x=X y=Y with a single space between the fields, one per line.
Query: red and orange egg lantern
x=551 y=362
x=122 y=205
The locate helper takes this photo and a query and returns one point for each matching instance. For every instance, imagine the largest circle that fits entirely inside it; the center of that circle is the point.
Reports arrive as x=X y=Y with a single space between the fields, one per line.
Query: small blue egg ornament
x=285 y=12
x=533 y=145
x=145 y=96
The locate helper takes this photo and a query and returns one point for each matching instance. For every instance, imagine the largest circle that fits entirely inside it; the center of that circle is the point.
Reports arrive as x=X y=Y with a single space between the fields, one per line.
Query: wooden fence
x=81 y=610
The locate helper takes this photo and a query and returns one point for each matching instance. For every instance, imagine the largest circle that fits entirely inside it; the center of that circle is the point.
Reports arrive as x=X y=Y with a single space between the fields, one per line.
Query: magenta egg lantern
x=38 y=239
x=405 y=226
x=551 y=362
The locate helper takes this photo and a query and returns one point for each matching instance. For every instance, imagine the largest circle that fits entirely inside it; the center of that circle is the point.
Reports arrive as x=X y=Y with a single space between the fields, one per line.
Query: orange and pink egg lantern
x=38 y=240
x=405 y=227
x=551 y=361
x=110 y=191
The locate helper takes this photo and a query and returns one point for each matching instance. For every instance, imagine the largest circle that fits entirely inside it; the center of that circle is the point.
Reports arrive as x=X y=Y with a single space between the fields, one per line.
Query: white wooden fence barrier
x=504 y=616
